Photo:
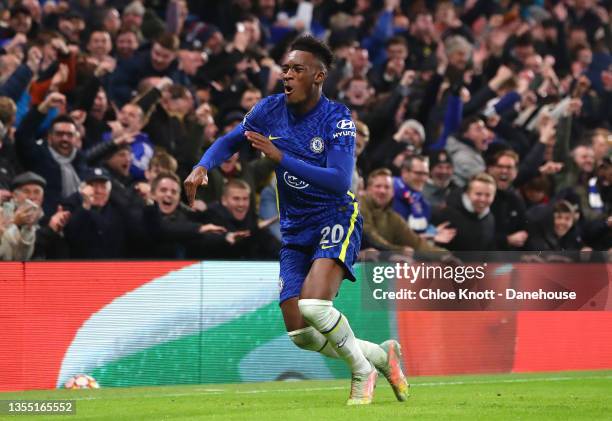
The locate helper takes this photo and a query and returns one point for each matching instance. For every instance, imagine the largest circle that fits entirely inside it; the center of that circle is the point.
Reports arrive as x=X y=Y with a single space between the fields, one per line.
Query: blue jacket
x=17 y=83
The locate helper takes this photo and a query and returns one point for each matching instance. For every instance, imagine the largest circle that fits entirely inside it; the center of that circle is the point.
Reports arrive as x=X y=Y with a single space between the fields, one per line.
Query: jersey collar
x=322 y=101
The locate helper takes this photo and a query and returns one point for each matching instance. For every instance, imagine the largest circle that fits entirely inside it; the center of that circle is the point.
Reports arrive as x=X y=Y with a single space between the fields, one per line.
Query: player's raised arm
x=221 y=150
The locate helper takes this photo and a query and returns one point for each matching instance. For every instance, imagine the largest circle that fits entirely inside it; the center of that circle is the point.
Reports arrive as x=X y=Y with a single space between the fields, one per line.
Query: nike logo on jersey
x=273 y=137
x=328 y=247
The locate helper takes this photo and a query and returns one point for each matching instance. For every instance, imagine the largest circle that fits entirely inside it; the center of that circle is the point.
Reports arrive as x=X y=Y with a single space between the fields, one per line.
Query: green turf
x=558 y=396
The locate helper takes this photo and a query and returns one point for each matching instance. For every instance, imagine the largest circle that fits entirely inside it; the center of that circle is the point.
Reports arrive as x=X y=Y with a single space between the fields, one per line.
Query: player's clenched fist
x=198 y=177
x=262 y=143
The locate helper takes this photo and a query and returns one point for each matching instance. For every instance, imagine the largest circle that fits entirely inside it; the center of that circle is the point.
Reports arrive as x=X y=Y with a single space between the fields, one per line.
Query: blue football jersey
x=308 y=137
x=411 y=205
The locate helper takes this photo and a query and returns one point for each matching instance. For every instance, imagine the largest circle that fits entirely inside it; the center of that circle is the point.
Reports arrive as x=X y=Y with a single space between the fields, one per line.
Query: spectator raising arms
x=439 y=92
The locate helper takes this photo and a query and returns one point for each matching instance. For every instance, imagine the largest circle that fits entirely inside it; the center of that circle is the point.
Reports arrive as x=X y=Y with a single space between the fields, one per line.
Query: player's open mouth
x=288 y=90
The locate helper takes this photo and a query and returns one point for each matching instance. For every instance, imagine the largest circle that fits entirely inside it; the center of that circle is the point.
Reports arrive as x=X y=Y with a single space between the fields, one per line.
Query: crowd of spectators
x=481 y=125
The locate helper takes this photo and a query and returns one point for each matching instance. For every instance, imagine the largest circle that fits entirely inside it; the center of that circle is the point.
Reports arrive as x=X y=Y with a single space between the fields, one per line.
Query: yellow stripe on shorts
x=277 y=202
x=347 y=240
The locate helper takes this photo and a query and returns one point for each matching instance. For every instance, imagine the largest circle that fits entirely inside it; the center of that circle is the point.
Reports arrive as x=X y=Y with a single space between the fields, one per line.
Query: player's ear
x=320 y=77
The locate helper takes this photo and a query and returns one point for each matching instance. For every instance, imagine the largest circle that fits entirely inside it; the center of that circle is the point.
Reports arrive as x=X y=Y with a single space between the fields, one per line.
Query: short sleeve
x=342 y=133
x=255 y=119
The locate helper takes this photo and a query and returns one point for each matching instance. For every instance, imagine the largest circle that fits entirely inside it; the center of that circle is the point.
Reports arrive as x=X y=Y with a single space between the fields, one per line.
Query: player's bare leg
x=292 y=316
x=315 y=304
x=385 y=357
x=307 y=337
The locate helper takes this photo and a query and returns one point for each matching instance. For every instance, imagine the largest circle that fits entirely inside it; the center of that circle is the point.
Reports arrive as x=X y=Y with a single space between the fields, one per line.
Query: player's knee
x=318 y=313
x=307 y=338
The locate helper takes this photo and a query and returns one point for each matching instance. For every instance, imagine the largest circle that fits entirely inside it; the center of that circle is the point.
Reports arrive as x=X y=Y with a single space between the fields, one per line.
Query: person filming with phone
x=26 y=233
x=20 y=217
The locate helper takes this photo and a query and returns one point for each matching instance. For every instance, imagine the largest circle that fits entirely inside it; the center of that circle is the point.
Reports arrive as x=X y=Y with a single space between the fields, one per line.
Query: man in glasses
x=408 y=199
x=508 y=207
x=58 y=159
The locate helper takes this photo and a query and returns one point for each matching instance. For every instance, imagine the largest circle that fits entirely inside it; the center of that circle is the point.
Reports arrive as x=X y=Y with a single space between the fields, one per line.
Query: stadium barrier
x=184 y=322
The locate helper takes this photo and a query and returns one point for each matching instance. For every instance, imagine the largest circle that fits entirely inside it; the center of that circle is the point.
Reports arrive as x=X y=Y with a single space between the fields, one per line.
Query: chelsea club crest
x=316 y=144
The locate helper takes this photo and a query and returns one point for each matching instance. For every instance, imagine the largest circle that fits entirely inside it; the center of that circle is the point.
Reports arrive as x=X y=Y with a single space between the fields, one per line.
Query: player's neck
x=306 y=106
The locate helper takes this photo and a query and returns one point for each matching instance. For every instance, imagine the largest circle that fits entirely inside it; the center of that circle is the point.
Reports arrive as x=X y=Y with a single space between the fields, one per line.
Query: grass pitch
x=550 y=396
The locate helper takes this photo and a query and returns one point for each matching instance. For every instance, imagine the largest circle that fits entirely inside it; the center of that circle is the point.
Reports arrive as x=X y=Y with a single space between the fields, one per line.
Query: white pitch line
x=318 y=389
x=307 y=389
x=429 y=384
x=525 y=380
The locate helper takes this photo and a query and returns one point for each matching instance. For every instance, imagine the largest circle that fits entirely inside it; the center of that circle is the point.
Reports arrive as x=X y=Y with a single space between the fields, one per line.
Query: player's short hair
x=483 y=177
x=315 y=47
x=163 y=160
x=380 y=172
x=162 y=176
x=236 y=183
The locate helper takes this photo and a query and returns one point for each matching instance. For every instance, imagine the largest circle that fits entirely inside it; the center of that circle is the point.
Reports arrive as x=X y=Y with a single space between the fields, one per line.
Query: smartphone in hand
x=30 y=205
x=8 y=209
